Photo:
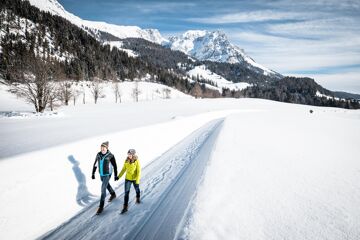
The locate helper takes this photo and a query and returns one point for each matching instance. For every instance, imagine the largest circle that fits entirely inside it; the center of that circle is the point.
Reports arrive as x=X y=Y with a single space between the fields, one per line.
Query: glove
x=116 y=178
x=93 y=176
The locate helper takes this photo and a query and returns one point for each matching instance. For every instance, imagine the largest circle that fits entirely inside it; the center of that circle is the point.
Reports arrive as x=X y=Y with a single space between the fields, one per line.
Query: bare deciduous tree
x=53 y=98
x=96 y=89
x=35 y=86
x=166 y=93
x=66 y=91
x=196 y=90
x=83 y=91
x=136 y=92
x=76 y=94
x=117 y=91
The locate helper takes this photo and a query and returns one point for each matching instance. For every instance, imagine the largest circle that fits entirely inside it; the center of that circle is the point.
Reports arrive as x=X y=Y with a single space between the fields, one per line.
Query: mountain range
x=199 y=44
x=174 y=61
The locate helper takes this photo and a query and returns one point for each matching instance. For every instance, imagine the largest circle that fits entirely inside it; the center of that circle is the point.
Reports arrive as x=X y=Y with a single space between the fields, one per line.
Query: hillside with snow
x=95 y=28
x=213 y=80
x=24 y=28
x=199 y=44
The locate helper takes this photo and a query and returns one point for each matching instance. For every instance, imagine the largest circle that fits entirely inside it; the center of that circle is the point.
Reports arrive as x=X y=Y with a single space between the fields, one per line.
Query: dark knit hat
x=105 y=144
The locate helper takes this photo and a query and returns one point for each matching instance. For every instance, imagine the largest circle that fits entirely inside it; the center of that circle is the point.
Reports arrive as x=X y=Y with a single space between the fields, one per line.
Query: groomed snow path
x=168 y=186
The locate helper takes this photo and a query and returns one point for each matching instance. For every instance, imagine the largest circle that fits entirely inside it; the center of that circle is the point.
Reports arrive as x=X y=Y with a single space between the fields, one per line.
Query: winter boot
x=138 y=200
x=100 y=208
x=112 y=196
x=124 y=210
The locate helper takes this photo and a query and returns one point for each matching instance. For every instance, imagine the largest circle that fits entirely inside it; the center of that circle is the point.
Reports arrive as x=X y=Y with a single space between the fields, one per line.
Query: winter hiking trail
x=168 y=186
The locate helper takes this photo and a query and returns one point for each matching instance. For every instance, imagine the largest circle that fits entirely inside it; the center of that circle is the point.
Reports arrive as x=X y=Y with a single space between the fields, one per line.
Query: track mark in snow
x=168 y=186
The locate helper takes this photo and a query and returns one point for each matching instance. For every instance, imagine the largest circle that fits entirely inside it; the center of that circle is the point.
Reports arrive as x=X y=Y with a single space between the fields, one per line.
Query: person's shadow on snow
x=83 y=196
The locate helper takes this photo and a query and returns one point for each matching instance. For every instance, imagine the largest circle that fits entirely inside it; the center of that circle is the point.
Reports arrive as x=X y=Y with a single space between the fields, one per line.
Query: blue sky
x=319 y=38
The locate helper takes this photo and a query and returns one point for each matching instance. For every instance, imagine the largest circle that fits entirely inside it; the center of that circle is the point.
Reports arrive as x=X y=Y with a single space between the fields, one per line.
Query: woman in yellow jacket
x=133 y=173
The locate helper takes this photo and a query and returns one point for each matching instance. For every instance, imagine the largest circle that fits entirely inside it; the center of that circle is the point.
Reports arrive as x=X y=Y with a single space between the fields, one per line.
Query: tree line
x=294 y=90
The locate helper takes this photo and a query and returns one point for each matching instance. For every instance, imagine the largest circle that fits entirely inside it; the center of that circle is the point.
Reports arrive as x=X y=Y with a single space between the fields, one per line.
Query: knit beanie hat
x=105 y=144
x=131 y=151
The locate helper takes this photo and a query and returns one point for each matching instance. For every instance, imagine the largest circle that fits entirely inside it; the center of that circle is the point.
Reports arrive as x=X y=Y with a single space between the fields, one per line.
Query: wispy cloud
x=254 y=16
x=322 y=27
x=306 y=5
x=164 y=7
x=288 y=55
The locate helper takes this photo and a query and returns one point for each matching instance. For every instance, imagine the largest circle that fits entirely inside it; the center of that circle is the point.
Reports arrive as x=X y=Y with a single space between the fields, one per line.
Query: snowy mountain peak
x=155 y=36
x=52 y=6
x=192 y=34
x=55 y=8
x=92 y=27
x=212 y=46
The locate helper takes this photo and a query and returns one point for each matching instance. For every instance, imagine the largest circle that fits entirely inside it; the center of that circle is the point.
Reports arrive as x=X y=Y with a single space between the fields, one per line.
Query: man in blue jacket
x=102 y=161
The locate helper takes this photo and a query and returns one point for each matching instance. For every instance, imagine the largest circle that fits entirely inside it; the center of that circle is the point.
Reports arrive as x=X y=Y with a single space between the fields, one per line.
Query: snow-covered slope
x=215 y=81
x=21 y=27
x=119 y=45
x=212 y=46
x=319 y=94
x=94 y=28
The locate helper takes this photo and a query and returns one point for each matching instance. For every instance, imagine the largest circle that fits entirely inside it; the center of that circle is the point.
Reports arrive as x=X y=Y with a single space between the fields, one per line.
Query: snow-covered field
x=276 y=171
x=282 y=175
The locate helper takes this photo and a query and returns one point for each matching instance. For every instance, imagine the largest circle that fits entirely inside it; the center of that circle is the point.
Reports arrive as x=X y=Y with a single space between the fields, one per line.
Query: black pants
x=127 y=190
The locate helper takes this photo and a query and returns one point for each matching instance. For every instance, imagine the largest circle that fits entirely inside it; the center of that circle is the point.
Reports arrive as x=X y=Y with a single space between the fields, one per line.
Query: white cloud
x=324 y=5
x=153 y=7
x=322 y=27
x=254 y=16
x=289 y=55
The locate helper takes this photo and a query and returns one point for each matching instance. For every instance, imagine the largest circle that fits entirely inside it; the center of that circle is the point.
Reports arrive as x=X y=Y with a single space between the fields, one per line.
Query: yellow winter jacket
x=132 y=169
